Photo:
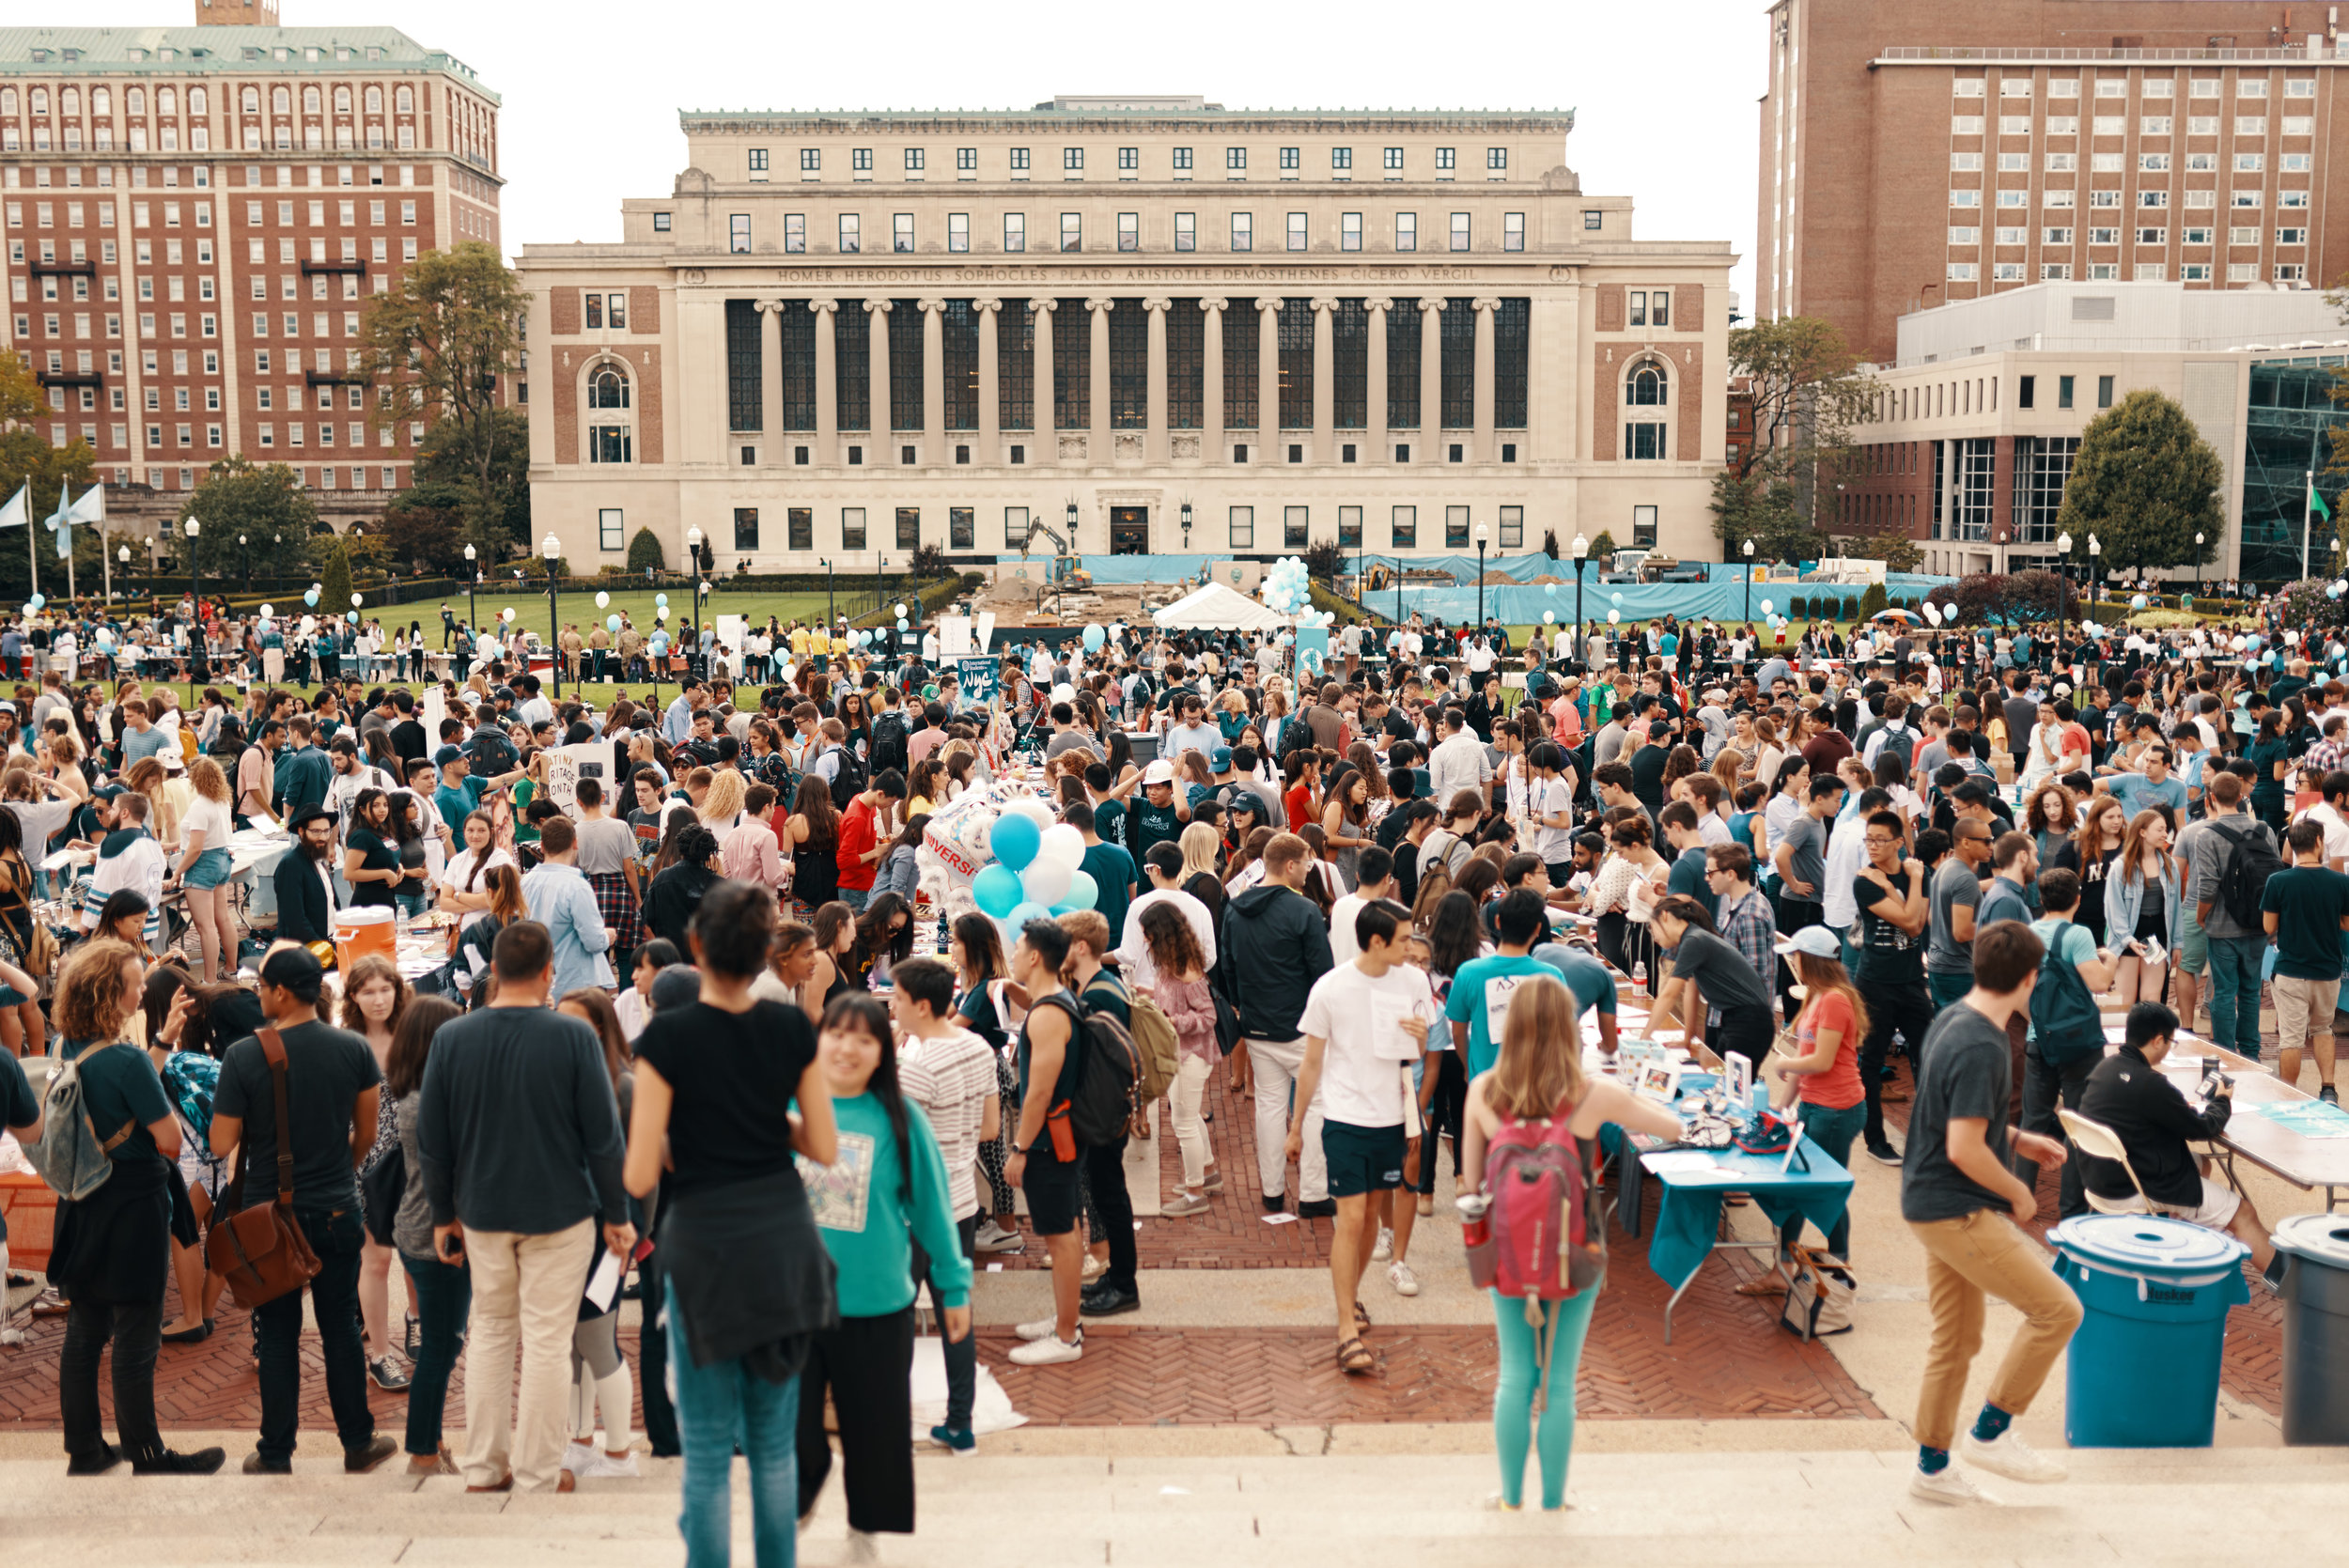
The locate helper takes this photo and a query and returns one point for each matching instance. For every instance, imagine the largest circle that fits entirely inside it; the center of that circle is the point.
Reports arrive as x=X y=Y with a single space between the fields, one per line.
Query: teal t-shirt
x=120 y=1085
x=1109 y=822
x=1112 y=873
x=2075 y=945
x=869 y=1219
x=1147 y=825
x=2308 y=902
x=456 y=802
x=1482 y=985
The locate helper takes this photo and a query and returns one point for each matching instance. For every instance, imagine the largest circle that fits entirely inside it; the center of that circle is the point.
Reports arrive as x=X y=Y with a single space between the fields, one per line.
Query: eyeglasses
x=1874 y=842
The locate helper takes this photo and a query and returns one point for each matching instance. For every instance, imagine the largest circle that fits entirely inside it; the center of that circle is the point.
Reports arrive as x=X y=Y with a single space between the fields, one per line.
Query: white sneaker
x=862 y=1548
x=1041 y=1328
x=1048 y=1351
x=2007 y=1454
x=1950 y=1486
x=577 y=1456
x=1385 y=1249
x=605 y=1465
x=1399 y=1275
x=992 y=1237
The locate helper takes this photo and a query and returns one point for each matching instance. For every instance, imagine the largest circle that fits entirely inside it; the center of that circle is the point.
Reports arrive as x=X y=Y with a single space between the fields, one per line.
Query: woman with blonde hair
x=2143 y=906
x=1535 y=1083
x=147 y=776
x=722 y=807
x=204 y=867
x=1729 y=767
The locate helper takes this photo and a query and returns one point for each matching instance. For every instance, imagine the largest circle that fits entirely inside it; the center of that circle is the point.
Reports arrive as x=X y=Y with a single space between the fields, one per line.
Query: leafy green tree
x=1873 y=602
x=27 y=456
x=645 y=554
x=2144 y=482
x=333 y=579
x=259 y=501
x=437 y=347
x=446 y=476
x=1809 y=396
x=1603 y=547
x=1765 y=511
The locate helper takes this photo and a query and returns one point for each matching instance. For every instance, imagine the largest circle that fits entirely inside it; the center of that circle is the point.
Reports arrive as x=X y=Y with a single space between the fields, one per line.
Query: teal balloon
x=311 y=598
x=611 y=622
x=901 y=623
x=1092 y=639
x=1025 y=912
x=1014 y=839
x=661 y=599
x=1083 y=891
x=1063 y=909
x=997 y=889
x=352 y=615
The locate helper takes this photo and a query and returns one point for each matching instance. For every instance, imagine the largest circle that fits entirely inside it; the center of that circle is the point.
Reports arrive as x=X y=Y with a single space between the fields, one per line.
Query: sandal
x=1362 y=1316
x=1354 y=1358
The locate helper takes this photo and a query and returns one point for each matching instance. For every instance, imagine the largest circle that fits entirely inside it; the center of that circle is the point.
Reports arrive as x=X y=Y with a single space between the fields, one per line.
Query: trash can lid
x=2149 y=1243
x=2319 y=1237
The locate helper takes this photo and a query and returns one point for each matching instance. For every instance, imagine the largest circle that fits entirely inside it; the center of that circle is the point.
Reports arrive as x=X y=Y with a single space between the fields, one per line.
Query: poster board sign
x=732 y=629
x=985 y=632
x=568 y=765
x=981 y=680
x=954 y=636
x=435 y=708
x=1314 y=640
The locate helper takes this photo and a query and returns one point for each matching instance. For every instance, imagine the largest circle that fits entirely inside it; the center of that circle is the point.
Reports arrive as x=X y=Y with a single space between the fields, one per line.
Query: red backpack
x=1546 y=1229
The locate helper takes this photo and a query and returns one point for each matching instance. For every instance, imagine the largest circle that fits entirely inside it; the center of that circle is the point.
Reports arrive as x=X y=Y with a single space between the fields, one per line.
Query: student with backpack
x=2067 y=1032
x=1532 y=1117
x=2233 y=857
x=1102 y=1134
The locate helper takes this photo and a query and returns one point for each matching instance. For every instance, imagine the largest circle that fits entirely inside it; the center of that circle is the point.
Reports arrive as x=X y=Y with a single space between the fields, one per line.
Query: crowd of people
x=1380 y=897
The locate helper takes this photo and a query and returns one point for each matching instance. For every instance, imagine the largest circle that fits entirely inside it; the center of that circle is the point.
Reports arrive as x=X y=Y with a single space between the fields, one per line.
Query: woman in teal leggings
x=1538 y=1079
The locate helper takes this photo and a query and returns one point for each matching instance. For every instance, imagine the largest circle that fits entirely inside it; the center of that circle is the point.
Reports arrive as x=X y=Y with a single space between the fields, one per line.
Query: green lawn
x=580 y=609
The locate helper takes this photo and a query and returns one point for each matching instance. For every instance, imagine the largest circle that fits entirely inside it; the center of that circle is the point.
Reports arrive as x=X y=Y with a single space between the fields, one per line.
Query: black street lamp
x=2063 y=583
x=191 y=528
x=1482 y=537
x=1185 y=527
x=473 y=582
x=130 y=593
x=830 y=611
x=1581 y=548
x=245 y=560
x=551 y=547
x=2198 y=568
x=1748 y=576
x=693 y=591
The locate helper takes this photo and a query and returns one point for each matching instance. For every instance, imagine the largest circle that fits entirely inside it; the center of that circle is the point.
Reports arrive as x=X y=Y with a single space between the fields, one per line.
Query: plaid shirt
x=1748 y=927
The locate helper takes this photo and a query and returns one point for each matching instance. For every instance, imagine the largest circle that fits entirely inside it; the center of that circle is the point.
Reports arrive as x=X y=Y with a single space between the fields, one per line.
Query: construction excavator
x=1068 y=566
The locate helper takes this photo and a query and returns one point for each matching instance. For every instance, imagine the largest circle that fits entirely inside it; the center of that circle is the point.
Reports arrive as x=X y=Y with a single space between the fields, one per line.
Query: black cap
x=295 y=970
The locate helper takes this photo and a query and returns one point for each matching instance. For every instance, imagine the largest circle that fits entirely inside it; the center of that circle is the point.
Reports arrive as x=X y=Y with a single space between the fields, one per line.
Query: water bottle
x=1475 y=1228
x=1639 y=976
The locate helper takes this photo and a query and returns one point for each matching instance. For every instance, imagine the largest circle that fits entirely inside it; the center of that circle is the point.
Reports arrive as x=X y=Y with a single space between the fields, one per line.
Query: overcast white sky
x=1664 y=99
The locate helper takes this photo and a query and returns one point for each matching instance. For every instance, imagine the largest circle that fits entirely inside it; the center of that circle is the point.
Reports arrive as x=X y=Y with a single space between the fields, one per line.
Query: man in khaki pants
x=1961 y=1197
x=520 y=1137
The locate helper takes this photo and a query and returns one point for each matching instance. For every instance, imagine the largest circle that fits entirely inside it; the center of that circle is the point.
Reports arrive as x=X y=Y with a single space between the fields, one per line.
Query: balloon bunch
x=1934 y=615
x=1037 y=870
x=1288 y=588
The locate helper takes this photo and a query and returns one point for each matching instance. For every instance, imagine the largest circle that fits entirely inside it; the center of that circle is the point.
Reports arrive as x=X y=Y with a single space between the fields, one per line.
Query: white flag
x=12 y=512
x=91 y=507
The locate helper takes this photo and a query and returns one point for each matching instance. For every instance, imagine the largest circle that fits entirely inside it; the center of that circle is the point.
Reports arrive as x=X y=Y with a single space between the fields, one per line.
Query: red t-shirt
x=1839 y=1087
x=1300 y=801
x=856 y=839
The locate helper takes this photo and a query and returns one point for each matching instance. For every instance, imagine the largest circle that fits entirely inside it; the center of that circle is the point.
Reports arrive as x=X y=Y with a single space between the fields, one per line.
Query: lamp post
x=2063 y=579
x=693 y=591
x=1748 y=576
x=829 y=614
x=1483 y=538
x=245 y=560
x=880 y=565
x=2198 y=568
x=551 y=547
x=1185 y=527
x=128 y=595
x=192 y=528
x=1581 y=548
x=472 y=582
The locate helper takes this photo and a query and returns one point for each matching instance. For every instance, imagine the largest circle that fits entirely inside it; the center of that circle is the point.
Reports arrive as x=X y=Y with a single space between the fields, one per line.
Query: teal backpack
x=2064 y=1018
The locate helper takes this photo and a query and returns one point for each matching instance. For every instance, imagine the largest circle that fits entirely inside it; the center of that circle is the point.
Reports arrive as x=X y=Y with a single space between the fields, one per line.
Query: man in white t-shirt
x=1365 y=1023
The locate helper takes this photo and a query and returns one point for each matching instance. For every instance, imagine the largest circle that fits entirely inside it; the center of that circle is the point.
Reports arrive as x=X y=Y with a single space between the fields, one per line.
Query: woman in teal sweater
x=886 y=1189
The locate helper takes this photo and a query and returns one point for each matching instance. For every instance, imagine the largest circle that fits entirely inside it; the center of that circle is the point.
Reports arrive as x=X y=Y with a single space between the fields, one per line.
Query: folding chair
x=2094 y=1138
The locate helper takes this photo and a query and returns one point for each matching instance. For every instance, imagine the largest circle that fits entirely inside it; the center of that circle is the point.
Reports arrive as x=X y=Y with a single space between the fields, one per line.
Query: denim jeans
x=444 y=1296
x=856 y=898
x=1834 y=1132
x=719 y=1407
x=334 y=1235
x=2234 y=993
x=137 y=1335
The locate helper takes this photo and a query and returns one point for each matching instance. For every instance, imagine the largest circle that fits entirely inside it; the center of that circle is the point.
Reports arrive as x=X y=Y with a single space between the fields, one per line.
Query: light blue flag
x=61 y=522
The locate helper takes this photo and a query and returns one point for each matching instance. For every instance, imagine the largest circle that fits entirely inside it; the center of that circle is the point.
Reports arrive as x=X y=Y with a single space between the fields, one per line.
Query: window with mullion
x=1403 y=328
x=852 y=365
x=1349 y=364
x=1015 y=366
x=1457 y=337
x=1072 y=366
x=905 y=366
x=744 y=341
x=1512 y=331
x=799 y=366
x=1185 y=364
x=1241 y=322
x=1296 y=346
x=959 y=344
x=1130 y=366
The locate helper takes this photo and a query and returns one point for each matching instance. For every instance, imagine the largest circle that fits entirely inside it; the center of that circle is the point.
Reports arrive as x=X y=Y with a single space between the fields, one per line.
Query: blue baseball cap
x=1220 y=759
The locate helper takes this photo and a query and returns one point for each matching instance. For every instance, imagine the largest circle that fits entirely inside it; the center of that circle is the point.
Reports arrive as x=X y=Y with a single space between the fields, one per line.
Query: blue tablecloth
x=1688 y=1212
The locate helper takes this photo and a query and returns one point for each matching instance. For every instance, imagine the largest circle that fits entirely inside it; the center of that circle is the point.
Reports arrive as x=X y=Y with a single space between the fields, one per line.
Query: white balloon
x=604 y=600
x=309 y=624
x=268 y=613
x=507 y=616
x=1064 y=692
x=1033 y=810
x=1769 y=607
x=1047 y=882
x=1064 y=843
x=1614 y=618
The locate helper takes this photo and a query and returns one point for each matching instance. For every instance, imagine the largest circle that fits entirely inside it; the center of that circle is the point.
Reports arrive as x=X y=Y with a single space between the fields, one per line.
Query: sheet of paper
x=1280 y=1220
x=1671 y=1161
x=603 y=1285
x=1387 y=1038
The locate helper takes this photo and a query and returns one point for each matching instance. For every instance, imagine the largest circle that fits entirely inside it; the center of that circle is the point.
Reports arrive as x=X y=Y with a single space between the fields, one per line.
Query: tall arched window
x=406 y=98
x=69 y=100
x=1648 y=390
x=1647 y=387
x=253 y=100
x=101 y=101
x=342 y=101
x=375 y=100
x=199 y=101
x=135 y=100
x=40 y=100
x=281 y=100
x=309 y=100
x=607 y=388
x=166 y=100
x=8 y=101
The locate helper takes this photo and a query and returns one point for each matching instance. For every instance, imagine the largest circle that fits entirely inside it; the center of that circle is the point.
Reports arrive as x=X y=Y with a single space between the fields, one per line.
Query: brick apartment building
x=192 y=218
x=1913 y=154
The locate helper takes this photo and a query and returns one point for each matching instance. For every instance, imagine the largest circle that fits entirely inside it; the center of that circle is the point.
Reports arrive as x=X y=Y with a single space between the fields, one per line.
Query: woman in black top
x=813 y=833
x=676 y=892
x=370 y=861
x=884 y=937
x=858 y=723
x=2091 y=851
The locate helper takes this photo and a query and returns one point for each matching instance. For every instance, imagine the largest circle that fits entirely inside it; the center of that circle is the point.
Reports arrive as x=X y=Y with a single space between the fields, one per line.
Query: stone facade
x=1230 y=333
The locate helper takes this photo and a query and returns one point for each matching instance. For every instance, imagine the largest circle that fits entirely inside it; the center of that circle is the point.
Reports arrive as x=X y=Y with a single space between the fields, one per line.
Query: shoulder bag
x=261 y=1250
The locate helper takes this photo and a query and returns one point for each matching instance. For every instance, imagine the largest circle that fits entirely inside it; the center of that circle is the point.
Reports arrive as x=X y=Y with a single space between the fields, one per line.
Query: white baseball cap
x=1160 y=771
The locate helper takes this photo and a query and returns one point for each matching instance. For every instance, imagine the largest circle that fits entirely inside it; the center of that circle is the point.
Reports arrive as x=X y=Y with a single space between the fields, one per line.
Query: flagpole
x=2308 y=521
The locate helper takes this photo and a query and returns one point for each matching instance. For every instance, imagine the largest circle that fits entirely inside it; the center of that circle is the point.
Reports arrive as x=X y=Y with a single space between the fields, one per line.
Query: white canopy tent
x=1217 y=607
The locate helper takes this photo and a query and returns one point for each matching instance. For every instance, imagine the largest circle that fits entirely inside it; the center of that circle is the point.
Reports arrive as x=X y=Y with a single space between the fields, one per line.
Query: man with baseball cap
x=1159 y=815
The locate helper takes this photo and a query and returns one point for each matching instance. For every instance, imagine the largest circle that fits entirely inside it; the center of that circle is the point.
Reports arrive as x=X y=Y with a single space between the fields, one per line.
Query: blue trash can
x=2143 y=1372
x=2316 y=1327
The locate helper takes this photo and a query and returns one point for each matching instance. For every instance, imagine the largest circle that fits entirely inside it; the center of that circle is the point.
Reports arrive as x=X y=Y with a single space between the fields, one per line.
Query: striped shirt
x=951 y=1079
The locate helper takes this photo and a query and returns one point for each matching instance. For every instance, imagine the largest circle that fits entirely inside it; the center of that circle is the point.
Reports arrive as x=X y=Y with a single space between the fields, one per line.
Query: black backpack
x=2251 y=861
x=890 y=737
x=1102 y=1106
x=850 y=781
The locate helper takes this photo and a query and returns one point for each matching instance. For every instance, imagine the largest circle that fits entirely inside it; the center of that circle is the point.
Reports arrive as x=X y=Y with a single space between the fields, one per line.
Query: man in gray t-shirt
x=1803 y=848
x=1957 y=898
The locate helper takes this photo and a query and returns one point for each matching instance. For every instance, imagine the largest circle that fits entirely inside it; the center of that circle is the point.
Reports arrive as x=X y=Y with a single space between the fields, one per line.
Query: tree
x=333 y=579
x=643 y=553
x=27 y=456
x=1603 y=548
x=2144 y=482
x=445 y=471
x=428 y=538
x=254 y=500
x=1873 y=603
x=436 y=346
x=1807 y=395
x=929 y=563
x=1324 y=561
x=1763 y=511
